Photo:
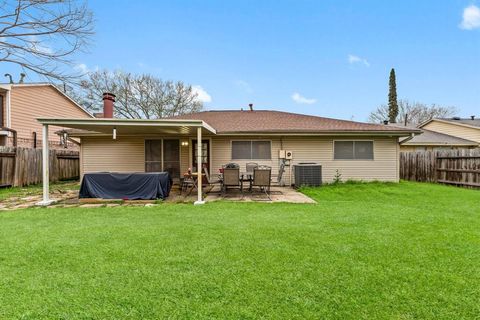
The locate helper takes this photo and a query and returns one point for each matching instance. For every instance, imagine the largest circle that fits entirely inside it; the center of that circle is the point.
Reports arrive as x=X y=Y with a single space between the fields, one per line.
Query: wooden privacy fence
x=456 y=167
x=23 y=166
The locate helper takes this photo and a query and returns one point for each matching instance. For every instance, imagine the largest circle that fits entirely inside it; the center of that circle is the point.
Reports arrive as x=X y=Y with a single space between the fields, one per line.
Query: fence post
x=16 y=167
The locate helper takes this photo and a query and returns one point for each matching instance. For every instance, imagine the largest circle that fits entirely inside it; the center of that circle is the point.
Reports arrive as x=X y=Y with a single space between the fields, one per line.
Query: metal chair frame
x=231 y=178
x=262 y=178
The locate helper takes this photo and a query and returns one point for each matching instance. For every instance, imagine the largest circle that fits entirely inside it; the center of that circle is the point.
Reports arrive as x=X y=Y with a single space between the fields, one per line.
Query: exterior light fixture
x=65 y=139
x=114 y=133
x=184 y=143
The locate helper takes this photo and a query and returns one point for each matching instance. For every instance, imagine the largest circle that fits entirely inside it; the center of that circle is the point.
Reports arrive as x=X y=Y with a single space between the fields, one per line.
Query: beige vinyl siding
x=31 y=102
x=125 y=154
x=454 y=130
x=185 y=163
x=384 y=167
x=404 y=148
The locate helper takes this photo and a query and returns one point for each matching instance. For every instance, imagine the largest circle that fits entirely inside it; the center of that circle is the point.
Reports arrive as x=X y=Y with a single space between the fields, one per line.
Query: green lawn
x=365 y=251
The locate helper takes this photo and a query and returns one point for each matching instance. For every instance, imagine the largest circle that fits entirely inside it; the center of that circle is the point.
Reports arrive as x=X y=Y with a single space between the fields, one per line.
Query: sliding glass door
x=163 y=155
x=171 y=157
x=153 y=155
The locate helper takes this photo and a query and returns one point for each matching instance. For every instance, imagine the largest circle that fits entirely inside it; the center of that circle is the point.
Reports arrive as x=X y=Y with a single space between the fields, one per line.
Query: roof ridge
x=238 y=121
x=288 y=112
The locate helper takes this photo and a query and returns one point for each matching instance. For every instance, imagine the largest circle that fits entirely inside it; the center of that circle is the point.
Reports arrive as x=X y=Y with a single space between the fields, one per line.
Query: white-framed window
x=352 y=150
x=251 y=150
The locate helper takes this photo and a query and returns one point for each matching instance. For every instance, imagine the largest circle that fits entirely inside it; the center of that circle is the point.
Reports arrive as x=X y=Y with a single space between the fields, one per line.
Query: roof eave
x=126 y=122
x=321 y=133
x=438 y=144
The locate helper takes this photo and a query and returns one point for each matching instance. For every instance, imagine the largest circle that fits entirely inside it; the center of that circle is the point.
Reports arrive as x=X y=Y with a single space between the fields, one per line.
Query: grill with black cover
x=127 y=186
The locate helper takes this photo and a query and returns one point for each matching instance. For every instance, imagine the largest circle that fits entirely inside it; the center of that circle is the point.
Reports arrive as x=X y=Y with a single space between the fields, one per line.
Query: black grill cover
x=128 y=186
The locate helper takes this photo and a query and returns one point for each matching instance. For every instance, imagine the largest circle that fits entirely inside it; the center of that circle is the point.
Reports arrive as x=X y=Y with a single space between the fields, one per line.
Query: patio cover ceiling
x=129 y=126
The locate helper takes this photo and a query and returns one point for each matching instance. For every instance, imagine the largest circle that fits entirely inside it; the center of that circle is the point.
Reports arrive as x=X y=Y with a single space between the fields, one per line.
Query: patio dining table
x=194 y=177
x=247 y=176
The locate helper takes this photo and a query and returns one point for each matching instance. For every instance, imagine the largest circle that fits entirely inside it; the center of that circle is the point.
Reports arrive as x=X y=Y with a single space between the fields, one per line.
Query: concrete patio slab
x=277 y=194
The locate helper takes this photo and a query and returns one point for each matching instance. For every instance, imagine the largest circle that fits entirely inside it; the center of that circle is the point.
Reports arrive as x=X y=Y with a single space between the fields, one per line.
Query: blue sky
x=329 y=58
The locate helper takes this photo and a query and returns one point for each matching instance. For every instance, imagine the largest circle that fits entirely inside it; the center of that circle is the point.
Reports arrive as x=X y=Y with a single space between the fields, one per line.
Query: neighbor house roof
x=269 y=121
x=432 y=138
x=468 y=122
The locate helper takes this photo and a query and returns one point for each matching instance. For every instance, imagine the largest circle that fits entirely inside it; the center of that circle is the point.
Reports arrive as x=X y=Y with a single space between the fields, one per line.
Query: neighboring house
x=433 y=141
x=22 y=104
x=468 y=129
x=361 y=151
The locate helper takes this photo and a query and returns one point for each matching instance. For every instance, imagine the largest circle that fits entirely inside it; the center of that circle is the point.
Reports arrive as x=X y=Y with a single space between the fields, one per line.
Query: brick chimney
x=108 y=104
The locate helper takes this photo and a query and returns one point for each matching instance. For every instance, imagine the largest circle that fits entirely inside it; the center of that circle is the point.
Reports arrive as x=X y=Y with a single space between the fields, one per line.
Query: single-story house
x=361 y=151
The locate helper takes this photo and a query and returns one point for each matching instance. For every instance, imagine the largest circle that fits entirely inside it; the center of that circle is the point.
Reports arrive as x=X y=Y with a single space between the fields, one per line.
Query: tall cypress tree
x=392 y=98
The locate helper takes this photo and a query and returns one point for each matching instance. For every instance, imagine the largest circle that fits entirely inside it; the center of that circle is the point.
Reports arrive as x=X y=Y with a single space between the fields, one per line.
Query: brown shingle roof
x=436 y=138
x=267 y=121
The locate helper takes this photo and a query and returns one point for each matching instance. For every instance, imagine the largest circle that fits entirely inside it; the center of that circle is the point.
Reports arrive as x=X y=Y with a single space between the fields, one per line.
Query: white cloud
x=84 y=69
x=244 y=85
x=353 y=59
x=301 y=99
x=471 y=18
x=202 y=95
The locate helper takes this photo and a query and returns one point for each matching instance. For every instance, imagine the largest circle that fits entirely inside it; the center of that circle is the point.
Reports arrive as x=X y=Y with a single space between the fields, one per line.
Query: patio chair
x=211 y=180
x=262 y=177
x=249 y=173
x=231 y=178
x=250 y=166
x=187 y=184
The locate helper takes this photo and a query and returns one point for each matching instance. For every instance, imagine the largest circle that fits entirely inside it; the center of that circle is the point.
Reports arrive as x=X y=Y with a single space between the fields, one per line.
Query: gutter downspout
x=412 y=135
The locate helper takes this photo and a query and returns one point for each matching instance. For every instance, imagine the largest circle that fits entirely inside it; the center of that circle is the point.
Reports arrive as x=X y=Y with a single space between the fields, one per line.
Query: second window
x=251 y=150
x=353 y=150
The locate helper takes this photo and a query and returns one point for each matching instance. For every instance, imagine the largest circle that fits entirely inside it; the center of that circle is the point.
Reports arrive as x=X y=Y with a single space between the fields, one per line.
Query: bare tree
x=138 y=96
x=42 y=35
x=414 y=112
